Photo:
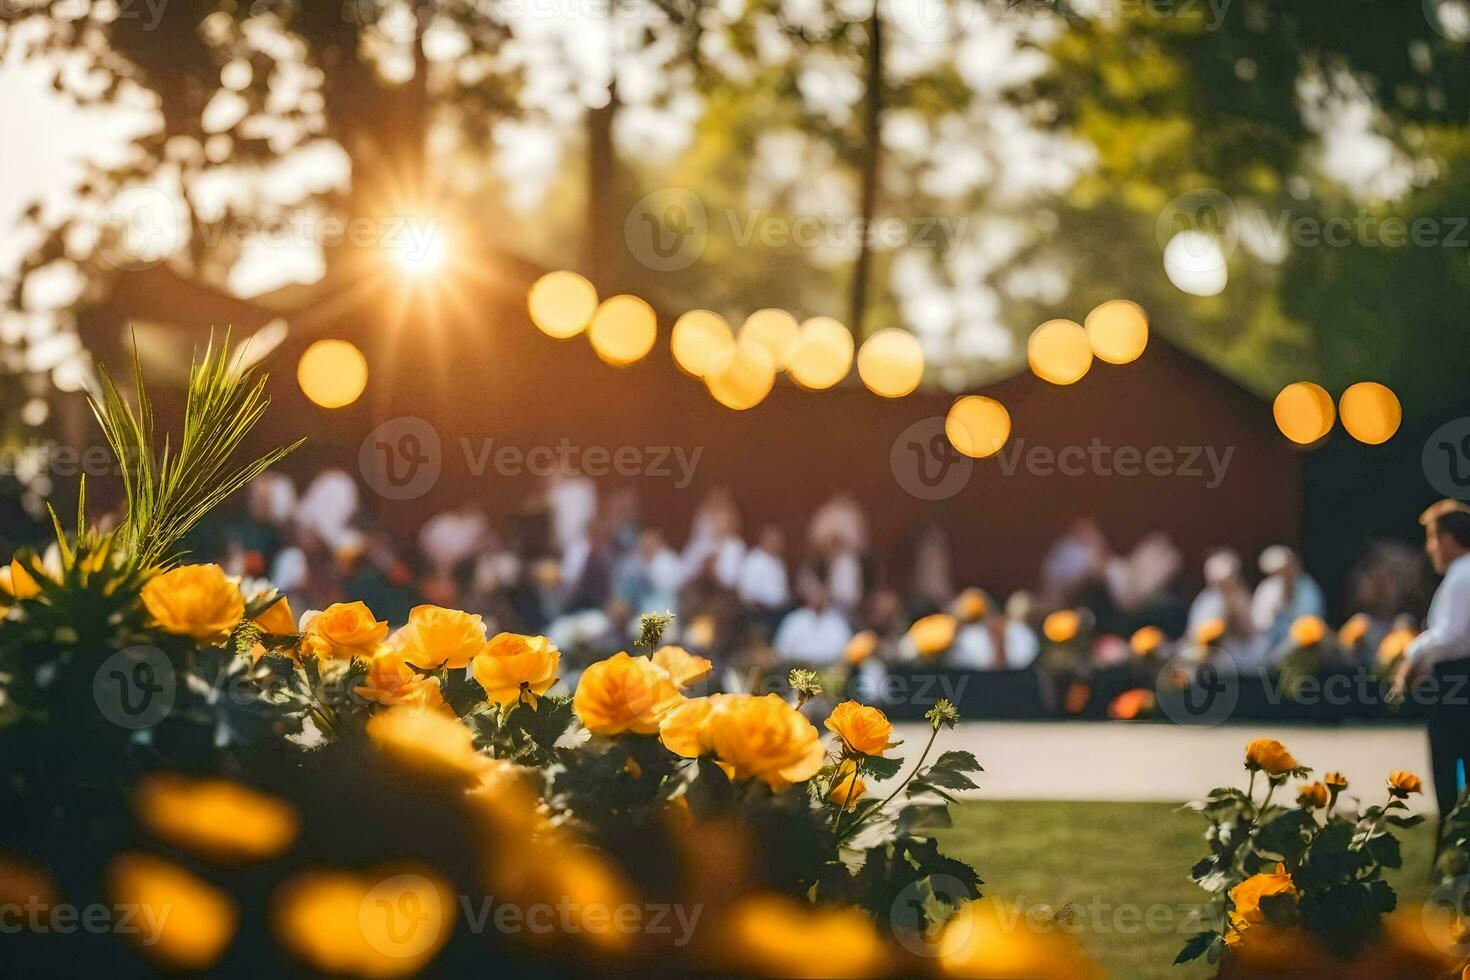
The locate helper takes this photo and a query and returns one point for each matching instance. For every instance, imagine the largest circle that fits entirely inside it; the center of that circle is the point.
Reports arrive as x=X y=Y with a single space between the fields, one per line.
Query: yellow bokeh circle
x=702 y=343
x=823 y=354
x=332 y=373
x=746 y=380
x=891 y=363
x=1059 y=352
x=1117 y=331
x=562 y=304
x=623 y=330
x=1304 y=412
x=1370 y=412
x=776 y=331
x=977 y=426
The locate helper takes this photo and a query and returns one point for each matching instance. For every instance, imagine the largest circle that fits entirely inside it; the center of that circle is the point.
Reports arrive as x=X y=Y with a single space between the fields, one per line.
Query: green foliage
x=169 y=490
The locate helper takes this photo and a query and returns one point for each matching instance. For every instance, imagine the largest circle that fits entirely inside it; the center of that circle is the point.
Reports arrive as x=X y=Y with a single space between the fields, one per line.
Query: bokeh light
x=623 y=330
x=1370 y=412
x=775 y=330
x=420 y=255
x=823 y=353
x=977 y=426
x=702 y=343
x=1195 y=263
x=1304 y=412
x=746 y=380
x=332 y=373
x=891 y=363
x=1059 y=352
x=562 y=304
x=1117 y=331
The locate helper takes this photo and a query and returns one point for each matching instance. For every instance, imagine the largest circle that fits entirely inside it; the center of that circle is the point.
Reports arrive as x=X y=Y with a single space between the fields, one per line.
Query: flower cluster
x=1312 y=869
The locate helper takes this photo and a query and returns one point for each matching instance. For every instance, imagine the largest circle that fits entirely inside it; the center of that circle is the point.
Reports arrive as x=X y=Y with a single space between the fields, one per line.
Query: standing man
x=1444 y=648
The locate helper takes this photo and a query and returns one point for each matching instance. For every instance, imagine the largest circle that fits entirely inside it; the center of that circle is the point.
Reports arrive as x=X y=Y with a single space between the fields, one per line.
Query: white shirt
x=975 y=650
x=763 y=579
x=812 y=637
x=845 y=580
x=1446 y=633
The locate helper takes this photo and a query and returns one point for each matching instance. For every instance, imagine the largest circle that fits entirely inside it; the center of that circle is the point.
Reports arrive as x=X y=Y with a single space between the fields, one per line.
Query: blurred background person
x=1286 y=594
x=816 y=633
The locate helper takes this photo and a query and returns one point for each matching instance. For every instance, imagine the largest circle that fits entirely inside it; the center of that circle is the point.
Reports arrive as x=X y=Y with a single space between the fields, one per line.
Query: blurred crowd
x=581 y=565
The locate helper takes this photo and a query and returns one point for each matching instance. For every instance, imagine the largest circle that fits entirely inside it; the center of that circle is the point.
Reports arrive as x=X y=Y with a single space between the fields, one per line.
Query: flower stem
x=933 y=734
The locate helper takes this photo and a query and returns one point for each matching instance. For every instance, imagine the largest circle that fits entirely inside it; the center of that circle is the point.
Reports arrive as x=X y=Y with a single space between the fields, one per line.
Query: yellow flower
x=195 y=600
x=277 y=620
x=17 y=582
x=1314 y=796
x=970 y=605
x=1061 y=626
x=200 y=922
x=1401 y=783
x=429 y=741
x=625 y=694
x=345 y=630
x=848 y=788
x=763 y=738
x=1394 y=643
x=437 y=637
x=1246 y=896
x=682 y=728
x=1335 y=780
x=1353 y=631
x=684 y=667
x=982 y=940
x=779 y=936
x=1209 y=632
x=864 y=730
x=390 y=680
x=390 y=922
x=1271 y=756
x=1146 y=641
x=862 y=646
x=214 y=817
x=932 y=635
x=512 y=664
x=1308 y=631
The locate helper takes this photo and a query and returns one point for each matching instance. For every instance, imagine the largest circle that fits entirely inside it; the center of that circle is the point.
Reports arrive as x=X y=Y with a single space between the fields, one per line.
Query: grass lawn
x=1122 y=866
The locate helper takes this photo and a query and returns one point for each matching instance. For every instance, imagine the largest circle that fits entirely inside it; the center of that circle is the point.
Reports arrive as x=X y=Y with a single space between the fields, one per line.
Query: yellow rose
x=1335 y=780
x=1402 y=783
x=345 y=630
x=932 y=635
x=195 y=600
x=201 y=918
x=862 y=646
x=848 y=788
x=625 y=694
x=1353 y=631
x=433 y=742
x=682 y=728
x=1314 y=796
x=390 y=680
x=864 y=730
x=1308 y=631
x=763 y=738
x=1210 y=631
x=1270 y=755
x=512 y=664
x=1246 y=896
x=277 y=620
x=1146 y=640
x=437 y=637
x=1061 y=626
x=214 y=817
x=770 y=935
x=684 y=667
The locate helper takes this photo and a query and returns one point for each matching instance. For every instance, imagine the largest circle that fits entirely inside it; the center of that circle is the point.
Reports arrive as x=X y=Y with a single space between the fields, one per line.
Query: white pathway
x=1169 y=763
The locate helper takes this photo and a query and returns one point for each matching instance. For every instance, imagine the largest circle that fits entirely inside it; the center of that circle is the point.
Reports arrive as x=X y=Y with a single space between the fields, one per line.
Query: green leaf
x=1197 y=946
x=923 y=816
x=881 y=767
x=1385 y=850
x=957 y=761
